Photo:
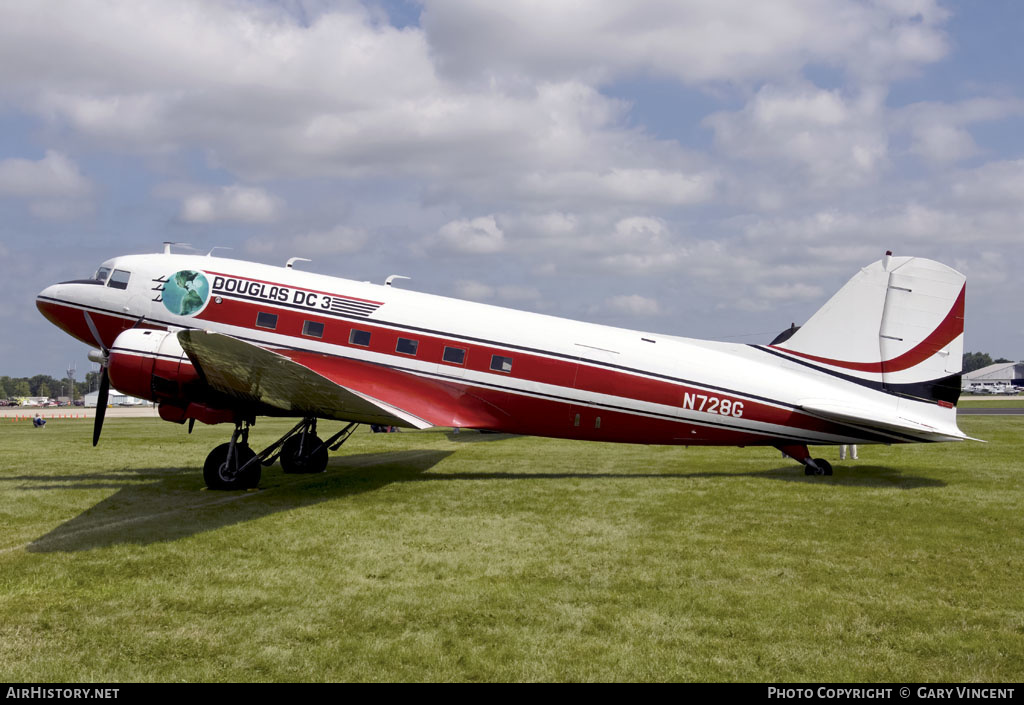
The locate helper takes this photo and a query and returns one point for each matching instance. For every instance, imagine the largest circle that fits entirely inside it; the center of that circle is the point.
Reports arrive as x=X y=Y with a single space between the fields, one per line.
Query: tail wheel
x=304 y=453
x=823 y=467
x=220 y=475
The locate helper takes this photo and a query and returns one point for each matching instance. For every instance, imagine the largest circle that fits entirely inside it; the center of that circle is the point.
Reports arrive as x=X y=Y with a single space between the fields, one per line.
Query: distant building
x=115 y=399
x=1001 y=373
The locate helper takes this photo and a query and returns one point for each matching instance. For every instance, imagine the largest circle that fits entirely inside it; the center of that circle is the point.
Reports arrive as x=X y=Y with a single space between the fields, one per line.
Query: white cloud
x=52 y=176
x=509 y=293
x=939 y=131
x=477 y=236
x=834 y=140
x=688 y=40
x=516 y=293
x=559 y=242
x=473 y=290
x=632 y=186
x=943 y=143
x=999 y=182
x=633 y=305
x=339 y=240
x=230 y=204
x=794 y=290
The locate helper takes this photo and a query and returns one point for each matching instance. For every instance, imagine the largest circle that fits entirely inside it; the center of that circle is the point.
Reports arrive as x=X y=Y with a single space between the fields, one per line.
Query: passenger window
x=119 y=279
x=501 y=364
x=407 y=346
x=359 y=337
x=456 y=356
x=313 y=329
x=266 y=320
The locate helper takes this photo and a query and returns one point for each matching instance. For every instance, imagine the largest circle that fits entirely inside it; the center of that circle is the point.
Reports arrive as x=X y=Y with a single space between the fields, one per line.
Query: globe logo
x=186 y=292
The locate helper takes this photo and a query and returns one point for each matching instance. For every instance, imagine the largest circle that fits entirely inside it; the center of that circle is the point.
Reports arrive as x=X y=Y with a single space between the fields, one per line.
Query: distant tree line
x=46 y=386
x=975 y=361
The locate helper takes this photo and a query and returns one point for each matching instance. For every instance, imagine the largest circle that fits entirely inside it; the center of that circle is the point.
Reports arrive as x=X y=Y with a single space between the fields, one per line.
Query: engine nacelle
x=150 y=364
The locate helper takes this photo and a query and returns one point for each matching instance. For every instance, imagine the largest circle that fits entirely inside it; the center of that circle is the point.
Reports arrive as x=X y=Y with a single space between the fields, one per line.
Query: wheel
x=215 y=469
x=311 y=459
x=808 y=470
x=825 y=466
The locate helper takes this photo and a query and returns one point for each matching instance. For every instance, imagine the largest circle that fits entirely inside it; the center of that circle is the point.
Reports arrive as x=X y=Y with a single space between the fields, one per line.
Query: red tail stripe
x=946 y=332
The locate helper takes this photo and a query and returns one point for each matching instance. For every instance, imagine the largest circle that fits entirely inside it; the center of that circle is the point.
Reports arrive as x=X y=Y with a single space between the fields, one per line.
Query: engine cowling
x=150 y=364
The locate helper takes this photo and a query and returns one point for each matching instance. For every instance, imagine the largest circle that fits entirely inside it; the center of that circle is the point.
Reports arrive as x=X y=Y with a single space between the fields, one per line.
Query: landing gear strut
x=812 y=466
x=304 y=452
x=233 y=465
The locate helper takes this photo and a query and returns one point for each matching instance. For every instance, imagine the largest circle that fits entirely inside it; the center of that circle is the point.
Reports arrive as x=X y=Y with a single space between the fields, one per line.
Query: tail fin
x=897 y=325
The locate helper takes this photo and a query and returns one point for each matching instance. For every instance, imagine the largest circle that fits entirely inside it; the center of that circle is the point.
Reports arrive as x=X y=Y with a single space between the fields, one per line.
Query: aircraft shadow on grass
x=875 y=476
x=478 y=436
x=164 y=504
x=856 y=475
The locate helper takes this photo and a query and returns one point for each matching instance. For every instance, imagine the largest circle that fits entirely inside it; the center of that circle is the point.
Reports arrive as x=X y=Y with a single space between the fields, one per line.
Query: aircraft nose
x=48 y=301
x=50 y=293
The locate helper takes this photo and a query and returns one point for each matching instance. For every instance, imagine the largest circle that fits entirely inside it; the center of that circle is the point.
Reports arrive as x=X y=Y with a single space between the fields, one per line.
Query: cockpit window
x=101 y=274
x=119 y=279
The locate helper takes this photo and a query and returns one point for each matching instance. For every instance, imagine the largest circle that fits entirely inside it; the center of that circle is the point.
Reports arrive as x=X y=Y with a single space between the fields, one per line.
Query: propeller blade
x=101 y=404
x=95 y=333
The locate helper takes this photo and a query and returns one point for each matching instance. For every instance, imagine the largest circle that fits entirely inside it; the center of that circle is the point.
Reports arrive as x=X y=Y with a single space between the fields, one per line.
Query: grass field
x=433 y=556
x=1001 y=403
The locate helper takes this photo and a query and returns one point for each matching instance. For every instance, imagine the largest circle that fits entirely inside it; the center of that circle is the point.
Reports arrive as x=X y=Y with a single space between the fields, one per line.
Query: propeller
x=103 y=359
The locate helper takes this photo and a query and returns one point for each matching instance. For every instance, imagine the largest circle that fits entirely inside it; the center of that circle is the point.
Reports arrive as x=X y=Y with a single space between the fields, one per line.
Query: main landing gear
x=812 y=466
x=235 y=466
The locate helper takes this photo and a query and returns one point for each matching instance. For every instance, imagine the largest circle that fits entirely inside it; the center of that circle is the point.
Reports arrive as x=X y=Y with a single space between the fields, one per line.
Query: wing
x=339 y=389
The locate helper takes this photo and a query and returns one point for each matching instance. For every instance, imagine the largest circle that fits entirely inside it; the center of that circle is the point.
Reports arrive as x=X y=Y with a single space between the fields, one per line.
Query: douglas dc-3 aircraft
x=225 y=341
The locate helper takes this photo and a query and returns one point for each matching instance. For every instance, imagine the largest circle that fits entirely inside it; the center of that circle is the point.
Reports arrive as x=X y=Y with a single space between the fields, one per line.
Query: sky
x=710 y=169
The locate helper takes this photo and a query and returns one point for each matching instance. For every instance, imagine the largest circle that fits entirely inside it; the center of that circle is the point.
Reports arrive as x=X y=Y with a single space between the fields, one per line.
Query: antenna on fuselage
x=293 y=260
x=387 y=282
x=168 y=244
x=218 y=247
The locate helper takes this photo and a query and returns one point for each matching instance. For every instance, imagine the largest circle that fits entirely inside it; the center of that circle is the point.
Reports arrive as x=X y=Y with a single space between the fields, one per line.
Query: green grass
x=990 y=403
x=431 y=556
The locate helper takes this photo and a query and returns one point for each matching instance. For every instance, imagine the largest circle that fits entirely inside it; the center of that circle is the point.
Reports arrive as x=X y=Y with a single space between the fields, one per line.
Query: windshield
x=119 y=279
x=101 y=274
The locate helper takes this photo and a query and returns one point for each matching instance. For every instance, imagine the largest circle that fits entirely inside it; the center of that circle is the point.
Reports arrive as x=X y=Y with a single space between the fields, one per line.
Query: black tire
x=825 y=466
x=215 y=466
x=808 y=470
x=313 y=458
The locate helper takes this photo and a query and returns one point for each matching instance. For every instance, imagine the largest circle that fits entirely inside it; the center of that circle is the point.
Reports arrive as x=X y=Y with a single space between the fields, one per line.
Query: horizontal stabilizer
x=881 y=417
